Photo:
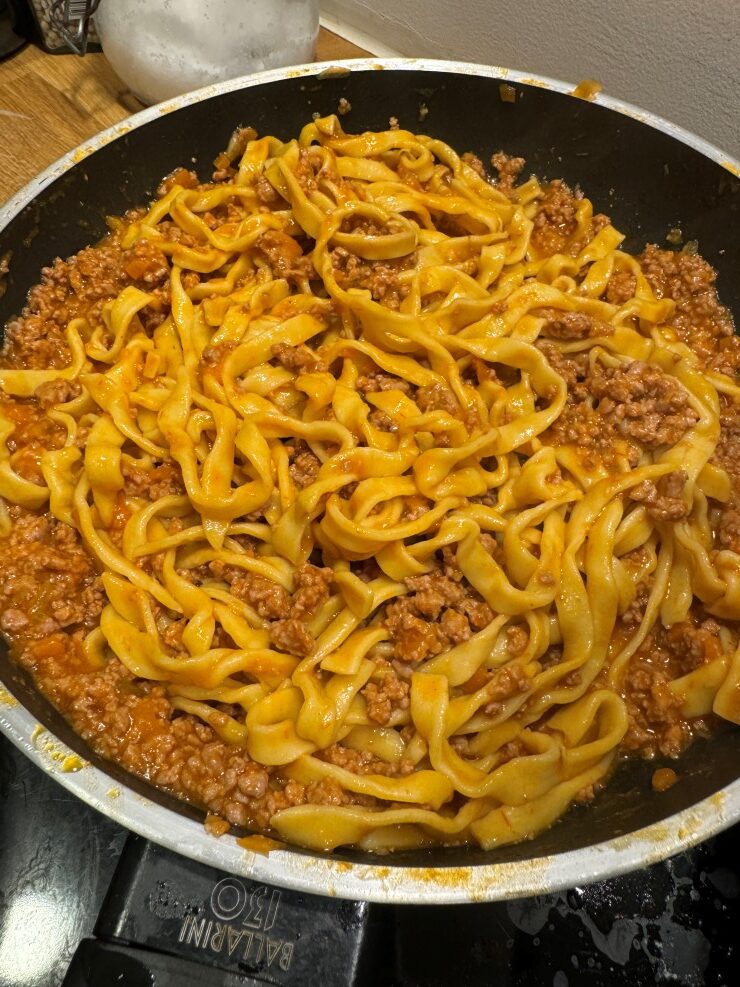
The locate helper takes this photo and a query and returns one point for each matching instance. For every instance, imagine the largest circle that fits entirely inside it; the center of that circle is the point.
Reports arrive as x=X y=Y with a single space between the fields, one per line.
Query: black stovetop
x=82 y=902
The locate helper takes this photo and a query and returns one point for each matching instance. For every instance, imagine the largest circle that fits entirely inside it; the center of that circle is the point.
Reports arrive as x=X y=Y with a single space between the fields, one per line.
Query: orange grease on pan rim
x=259 y=844
x=475 y=882
x=334 y=72
x=7 y=698
x=662 y=834
x=448 y=877
x=72 y=763
x=67 y=760
x=587 y=89
x=215 y=826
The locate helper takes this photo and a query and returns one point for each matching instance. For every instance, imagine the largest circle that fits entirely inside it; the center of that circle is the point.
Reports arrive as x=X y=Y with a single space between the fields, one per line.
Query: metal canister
x=65 y=25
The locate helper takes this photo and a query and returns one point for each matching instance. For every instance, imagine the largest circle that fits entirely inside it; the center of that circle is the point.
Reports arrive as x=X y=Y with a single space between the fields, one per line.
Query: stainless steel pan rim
x=382 y=881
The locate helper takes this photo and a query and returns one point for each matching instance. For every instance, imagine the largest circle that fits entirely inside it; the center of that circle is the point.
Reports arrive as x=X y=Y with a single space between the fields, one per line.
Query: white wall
x=678 y=58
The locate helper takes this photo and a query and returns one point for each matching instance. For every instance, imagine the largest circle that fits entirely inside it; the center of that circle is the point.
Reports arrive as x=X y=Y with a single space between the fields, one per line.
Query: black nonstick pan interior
x=646 y=180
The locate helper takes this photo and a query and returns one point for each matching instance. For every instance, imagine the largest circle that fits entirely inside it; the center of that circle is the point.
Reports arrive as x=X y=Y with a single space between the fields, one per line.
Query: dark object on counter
x=671 y=924
x=15 y=26
x=645 y=178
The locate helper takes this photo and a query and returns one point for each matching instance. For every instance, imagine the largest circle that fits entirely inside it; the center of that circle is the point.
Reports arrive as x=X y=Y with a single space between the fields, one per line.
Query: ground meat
x=700 y=320
x=433 y=591
x=435 y=397
x=385 y=693
x=450 y=567
x=692 y=643
x=266 y=193
x=664 y=500
x=78 y=288
x=304 y=465
x=728 y=530
x=613 y=412
x=380 y=278
x=478 y=612
x=418 y=623
x=555 y=219
x=727 y=452
x=304 y=469
x=620 y=287
x=474 y=162
x=293 y=636
x=164 y=480
x=260 y=811
x=572 y=325
x=727 y=455
x=643 y=403
x=414 y=639
x=84 y=609
x=511 y=680
x=655 y=721
x=214 y=358
x=517 y=639
x=555 y=222
x=12 y=620
x=363 y=762
x=305 y=172
x=172 y=634
x=378 y=419
x=53 y=392
x=378 y=381
x=270 y=600
x=33 y=433
x=286 y=257
x=509 y=169
x=299 y=359
x=634 y=613
x=49 y=580
x=288 y=615
x=598 y=222
x=324 y=792
x=593 y=435
x=573 y=368
x=656 y=725
x=311 y=591
x=455 y=626
x=177 y=752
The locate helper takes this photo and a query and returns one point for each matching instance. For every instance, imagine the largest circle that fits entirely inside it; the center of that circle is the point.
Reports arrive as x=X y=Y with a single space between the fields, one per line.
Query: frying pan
x=649 y=176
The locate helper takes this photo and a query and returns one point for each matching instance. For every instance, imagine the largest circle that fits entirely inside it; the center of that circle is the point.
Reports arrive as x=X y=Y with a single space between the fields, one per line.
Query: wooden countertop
x=51 y=103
